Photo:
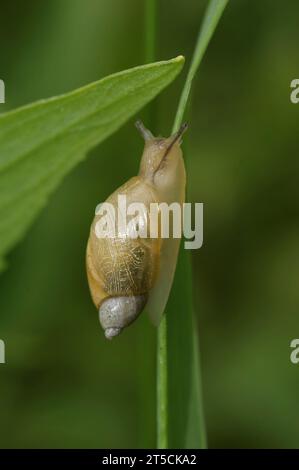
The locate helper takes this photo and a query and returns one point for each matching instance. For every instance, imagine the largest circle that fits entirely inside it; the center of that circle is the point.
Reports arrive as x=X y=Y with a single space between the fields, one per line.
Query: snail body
x=126 y=273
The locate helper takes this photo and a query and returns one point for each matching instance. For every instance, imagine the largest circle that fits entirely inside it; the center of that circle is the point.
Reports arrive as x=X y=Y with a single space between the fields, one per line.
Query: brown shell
x=123 y=266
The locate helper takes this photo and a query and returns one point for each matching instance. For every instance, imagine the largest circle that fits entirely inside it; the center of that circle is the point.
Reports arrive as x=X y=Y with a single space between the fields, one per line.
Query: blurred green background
x=64 y=385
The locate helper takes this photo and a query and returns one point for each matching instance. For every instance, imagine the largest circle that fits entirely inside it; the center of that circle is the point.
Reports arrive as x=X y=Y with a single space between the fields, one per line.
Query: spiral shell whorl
x=116 y=313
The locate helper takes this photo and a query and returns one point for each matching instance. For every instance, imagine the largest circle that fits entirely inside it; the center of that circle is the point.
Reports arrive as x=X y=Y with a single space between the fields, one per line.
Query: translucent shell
x=119 y=266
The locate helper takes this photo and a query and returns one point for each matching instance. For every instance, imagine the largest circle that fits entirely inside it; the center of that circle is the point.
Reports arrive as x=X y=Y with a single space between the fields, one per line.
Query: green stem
x=162 y=386
x=212 y=15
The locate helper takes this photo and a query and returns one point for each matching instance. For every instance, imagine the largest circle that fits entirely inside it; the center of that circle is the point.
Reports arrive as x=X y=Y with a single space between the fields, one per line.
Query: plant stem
x=162 y=386
x=212 y=15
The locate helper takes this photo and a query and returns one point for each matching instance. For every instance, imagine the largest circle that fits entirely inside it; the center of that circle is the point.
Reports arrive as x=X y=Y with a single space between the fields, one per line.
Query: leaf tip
x=180 y=59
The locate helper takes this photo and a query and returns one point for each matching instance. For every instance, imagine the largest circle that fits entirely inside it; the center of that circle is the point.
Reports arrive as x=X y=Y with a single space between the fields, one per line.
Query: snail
x=126 y=273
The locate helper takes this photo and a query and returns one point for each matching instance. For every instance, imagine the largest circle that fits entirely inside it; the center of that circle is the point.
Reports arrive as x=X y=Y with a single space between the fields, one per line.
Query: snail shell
x=126 y=274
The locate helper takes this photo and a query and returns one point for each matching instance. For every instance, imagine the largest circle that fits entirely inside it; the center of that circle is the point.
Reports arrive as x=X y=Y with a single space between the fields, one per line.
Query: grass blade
x=180 y=409
x=162 y=386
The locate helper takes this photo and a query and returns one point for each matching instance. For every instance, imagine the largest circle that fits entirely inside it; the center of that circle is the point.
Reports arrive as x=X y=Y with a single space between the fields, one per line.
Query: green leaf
x=42 y=142
x=180 y=407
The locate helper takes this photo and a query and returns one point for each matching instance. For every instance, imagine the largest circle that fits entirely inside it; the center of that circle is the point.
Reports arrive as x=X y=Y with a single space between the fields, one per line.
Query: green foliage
x=180 y=413
x=63 y=385
x=42 y=142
